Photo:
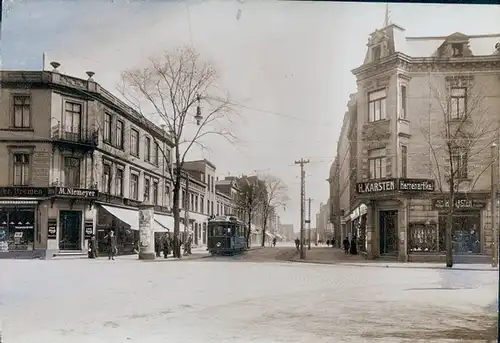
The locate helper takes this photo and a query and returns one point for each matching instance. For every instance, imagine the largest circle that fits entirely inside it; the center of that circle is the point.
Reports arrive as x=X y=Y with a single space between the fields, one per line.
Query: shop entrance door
x=70 y=237
x=388 y=232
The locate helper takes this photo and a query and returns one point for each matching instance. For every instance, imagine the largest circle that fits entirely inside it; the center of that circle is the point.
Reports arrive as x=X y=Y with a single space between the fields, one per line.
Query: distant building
x=287 y=231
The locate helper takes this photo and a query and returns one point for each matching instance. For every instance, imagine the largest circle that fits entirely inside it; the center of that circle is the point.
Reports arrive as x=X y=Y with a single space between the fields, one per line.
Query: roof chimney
x=55 y=65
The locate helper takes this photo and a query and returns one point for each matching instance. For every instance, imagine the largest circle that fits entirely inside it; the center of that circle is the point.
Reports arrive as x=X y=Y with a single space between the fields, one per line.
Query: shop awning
x=269 y=235
x=130 y=217
x=199 y=218
x=166 y=223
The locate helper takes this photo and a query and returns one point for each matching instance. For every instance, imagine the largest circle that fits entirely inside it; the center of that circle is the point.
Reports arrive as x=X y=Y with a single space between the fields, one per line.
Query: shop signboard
x=70 y=192
x=89 y=229
x=376 y=186
x=23 y=192
x=392 y=185
x=52 y=228
x=460 y=204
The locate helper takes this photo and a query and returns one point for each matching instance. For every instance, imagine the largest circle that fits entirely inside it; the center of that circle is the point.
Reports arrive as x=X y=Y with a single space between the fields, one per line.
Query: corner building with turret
x=398 y=167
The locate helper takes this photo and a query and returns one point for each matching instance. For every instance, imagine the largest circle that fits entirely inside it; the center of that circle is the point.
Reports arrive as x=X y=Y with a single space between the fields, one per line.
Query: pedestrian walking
x=297 y=243
x=333 y=242
x=167 y=245
x=345 y=242
x=327 y=242
x=92 y=247
x=274 y=241
x=353 y=247
x=111 y=242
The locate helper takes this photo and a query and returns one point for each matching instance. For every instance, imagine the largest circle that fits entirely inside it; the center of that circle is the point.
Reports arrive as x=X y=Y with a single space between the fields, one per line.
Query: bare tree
x=274 y=196
x=173 y=87
x=249 y=199
x=459 y=135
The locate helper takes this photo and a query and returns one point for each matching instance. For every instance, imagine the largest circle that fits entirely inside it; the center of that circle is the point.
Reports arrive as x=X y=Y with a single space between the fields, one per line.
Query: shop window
x=21 y=169
x=17 y=229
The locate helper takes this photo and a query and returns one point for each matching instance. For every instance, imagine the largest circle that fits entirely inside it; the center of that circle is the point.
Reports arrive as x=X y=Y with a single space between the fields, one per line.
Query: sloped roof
x=480 y=45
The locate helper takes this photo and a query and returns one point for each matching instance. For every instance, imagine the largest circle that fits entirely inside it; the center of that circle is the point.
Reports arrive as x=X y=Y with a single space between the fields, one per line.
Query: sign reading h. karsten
x=390 y=185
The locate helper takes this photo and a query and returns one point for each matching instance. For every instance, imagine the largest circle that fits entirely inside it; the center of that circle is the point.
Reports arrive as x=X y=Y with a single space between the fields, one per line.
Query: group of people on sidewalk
x=163 y=244
x=350 y=247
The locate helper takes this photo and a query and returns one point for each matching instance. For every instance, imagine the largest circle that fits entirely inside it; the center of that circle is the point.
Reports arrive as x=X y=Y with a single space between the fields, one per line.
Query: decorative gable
x=455 y=45
x=378 y=46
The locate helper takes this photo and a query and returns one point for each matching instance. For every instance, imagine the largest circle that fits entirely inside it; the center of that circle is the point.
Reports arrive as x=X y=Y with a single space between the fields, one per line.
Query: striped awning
x=18 y=202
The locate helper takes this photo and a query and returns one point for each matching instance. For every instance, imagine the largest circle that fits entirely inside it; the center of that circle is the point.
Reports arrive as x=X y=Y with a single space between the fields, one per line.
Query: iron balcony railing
x=77 y=135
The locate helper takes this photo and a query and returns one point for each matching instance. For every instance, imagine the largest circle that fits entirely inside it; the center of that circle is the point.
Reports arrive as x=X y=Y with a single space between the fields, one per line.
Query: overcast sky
x=287 y=64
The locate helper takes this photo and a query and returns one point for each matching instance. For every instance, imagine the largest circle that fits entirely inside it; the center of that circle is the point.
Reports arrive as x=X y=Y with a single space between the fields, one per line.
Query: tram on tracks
x=226 y=235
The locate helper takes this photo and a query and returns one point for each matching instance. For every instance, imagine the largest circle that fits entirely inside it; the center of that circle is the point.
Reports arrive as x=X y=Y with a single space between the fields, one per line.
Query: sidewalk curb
x=402 y=266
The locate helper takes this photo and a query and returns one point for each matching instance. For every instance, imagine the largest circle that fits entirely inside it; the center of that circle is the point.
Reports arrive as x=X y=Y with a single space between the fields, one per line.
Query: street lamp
x=198 y=115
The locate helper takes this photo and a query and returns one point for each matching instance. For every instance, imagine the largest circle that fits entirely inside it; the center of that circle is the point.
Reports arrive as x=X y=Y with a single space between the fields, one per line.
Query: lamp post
x=494 y=206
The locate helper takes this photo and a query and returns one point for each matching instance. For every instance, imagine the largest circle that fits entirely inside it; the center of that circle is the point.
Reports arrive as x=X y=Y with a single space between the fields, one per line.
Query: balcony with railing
x=71 y=136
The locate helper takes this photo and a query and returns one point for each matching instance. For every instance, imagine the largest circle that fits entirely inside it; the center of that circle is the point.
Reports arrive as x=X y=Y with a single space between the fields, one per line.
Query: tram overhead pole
x=302 y=162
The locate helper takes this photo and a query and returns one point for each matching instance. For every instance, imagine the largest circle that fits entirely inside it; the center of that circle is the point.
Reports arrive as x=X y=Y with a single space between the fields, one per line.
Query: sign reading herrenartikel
x=391 y=185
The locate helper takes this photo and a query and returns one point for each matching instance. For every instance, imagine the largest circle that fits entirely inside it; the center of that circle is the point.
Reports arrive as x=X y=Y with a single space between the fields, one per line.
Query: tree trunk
x=263 y=243
x=176 y=246
x=249 y=228
x=449 y=227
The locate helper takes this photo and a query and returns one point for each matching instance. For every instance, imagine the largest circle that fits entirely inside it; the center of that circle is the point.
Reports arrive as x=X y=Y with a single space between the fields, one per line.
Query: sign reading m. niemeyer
x=76 y=192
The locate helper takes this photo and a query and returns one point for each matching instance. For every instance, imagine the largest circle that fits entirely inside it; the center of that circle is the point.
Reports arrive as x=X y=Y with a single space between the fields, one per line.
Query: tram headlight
x=218 y=245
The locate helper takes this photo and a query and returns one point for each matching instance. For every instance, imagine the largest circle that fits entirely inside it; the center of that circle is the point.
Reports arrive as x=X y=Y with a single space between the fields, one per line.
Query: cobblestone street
x=242 y=299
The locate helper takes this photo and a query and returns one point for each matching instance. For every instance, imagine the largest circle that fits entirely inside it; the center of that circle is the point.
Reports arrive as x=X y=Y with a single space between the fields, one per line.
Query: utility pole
x=494 y=207
x=302 y=162
x=309 y=224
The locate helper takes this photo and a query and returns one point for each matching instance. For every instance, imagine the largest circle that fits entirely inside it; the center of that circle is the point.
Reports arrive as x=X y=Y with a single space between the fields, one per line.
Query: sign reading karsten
x=376 y=186
x=391 y=185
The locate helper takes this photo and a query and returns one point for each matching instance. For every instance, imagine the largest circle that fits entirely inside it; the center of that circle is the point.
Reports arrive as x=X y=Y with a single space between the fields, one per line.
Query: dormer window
x=376 y=52
x=457 y=50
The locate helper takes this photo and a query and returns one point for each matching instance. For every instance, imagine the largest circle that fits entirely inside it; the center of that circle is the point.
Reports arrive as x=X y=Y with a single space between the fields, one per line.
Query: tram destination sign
x=23 y=192
x=391 y=185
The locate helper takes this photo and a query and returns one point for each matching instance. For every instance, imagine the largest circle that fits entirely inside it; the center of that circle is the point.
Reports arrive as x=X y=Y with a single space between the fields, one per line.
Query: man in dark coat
x=354 y=246
x=345 y=242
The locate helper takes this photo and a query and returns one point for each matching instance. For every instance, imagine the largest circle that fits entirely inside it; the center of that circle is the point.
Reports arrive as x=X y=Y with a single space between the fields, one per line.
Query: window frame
x=404 y=161
x=134 y=193
x=458 y=115
x=108 y=129
x=457 y=50
x=376 y=53
x=404 y=101
x=79 y=172
x=23 y=107
x=155 y=191
x=26 y=175
x=133 y=131
x=106 y=184
x=146 y=188
x=461 y=157
x=119 y=135
x=119 y=189
x=381 y=101
x=377 y=162
x=147 y=149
